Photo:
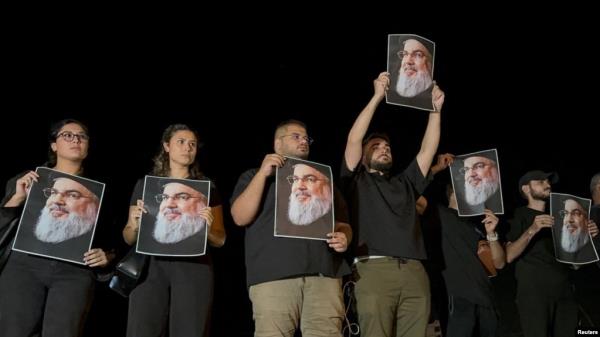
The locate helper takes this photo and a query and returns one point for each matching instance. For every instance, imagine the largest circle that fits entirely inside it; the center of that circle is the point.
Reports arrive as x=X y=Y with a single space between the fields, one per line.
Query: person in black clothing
x=177 y=292
x=392 y=288
x=545 y=298
x=37 y=294
x=470 y=294
x=291 y=280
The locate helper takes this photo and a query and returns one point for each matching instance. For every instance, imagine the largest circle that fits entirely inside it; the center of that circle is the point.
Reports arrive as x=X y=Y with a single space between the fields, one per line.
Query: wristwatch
x=492 y=237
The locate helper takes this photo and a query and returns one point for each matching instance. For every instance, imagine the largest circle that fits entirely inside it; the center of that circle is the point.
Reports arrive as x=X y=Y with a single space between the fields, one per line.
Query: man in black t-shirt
x=545 y=297
x=392 y=288
x=470 y=292
x=291 y=280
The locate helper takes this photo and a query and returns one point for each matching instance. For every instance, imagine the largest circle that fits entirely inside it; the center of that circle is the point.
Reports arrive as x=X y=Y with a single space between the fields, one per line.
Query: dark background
x=518 y=82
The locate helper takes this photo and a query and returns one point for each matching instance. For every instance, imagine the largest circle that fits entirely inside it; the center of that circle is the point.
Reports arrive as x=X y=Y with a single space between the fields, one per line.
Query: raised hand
x=271 y=160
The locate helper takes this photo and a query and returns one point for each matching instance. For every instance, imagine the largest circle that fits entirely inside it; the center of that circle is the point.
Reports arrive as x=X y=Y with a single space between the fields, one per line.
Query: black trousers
x=176 y=293
x=543 y=315
x=40 y=295
x=464 y=315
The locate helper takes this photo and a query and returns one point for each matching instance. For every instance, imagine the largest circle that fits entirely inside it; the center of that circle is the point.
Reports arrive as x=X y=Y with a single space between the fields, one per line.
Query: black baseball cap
x=538 y=175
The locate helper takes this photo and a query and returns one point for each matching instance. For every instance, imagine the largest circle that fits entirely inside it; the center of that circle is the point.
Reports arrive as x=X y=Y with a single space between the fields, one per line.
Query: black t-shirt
x=464 y=274
x=383 y=211
x=270 y=258
x=536 y=268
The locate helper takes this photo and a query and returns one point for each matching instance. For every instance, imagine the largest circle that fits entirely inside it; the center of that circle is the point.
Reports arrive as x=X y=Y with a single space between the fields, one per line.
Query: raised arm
x=353 y=152
x=23 y=185
x=246 y=206
x=431 y=138
x=490 y=222
x=130 y=232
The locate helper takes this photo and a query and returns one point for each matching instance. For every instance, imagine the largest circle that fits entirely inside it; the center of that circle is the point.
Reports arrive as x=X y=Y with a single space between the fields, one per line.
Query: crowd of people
x=293 y=283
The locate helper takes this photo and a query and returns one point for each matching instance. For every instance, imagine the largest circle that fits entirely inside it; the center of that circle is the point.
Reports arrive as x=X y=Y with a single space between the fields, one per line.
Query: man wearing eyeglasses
x=575 y=233
x=309 y=203
x=70 y=211
x=411 y=68
x=292 y=282
x=65 y=225
x=179 y=213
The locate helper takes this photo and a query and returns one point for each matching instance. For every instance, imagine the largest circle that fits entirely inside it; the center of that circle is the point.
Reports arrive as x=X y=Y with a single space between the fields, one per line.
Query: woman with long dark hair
x=39 y=295
x=177 y=291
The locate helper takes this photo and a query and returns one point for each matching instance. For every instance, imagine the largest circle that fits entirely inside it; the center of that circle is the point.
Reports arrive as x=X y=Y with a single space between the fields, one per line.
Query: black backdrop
x=520 y=88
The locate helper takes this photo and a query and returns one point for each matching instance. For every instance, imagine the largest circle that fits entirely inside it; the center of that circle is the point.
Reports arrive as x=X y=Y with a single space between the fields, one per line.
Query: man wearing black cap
x=392 y=288
x=544 y=295
x=411 y=69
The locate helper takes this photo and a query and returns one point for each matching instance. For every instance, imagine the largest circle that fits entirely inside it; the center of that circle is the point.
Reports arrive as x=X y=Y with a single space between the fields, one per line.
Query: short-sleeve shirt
x=536 y=268
x=270 y=258
x=383 y=211
x=464 y=274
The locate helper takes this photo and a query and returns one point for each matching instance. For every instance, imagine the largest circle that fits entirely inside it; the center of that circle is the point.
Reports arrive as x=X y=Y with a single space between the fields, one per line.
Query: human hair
x=285 y=124
x=374 y=135
x=53 y=135
x=594 y=182
x=162 y=167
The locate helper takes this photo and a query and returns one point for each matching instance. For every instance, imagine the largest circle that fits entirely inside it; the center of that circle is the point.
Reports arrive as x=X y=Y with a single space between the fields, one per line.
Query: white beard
x=168 y=231
x=476 y=195
x=414 y=85
x=572 y=242
x=50 y=229
x=305 y=214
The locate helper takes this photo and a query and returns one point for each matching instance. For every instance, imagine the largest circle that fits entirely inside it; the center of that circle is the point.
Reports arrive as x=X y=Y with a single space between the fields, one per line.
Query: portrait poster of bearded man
x=304 y=200
x=173 y=225
x=477 y=183
x=573 y=230
x=60 y=216
x=410 y=63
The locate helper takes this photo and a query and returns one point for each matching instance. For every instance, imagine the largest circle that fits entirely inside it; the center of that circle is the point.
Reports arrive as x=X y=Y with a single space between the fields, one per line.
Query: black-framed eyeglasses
x=477 y=167
x=177 y=197
x=417 y=54
x=69 y=136
x=576 y=212
x=69 y=195
x=307 y=179
x=298 y=137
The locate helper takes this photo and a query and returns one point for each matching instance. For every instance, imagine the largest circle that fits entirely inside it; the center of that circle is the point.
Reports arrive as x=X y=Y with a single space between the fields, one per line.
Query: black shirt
x=383 y=211
x=537 y=270
x=270 y=258
x=464 y=275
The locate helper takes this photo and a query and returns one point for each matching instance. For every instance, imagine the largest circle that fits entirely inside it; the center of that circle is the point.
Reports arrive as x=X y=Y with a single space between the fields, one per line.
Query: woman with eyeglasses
x=40 y=295
x=177 y=291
